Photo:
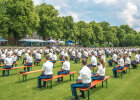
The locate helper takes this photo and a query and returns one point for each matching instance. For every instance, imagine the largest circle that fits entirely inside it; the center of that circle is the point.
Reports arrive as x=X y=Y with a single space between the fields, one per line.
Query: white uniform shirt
x=115 y=57
x=19 y=53
x=85 y=75
x=66 y=65
x=54 y=57
x=101 y=70
x=48 y=68
x=29 y=59
x=93 y=60
x=3 y=56
x=50 y=54
x=66 y=55
x=14 y=58
x=136 y=58
x=86 y=54
x=26 y=55
x=73 y=53
x=79 y=55
x=28 y=51
x=8 y=61
x=121 y=62
x=127 y=60
x=38 y=56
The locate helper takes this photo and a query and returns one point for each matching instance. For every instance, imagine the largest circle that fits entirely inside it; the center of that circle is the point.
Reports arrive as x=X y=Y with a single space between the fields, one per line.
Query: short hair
x=65 y=57
x=84 y=61
x=47 y=57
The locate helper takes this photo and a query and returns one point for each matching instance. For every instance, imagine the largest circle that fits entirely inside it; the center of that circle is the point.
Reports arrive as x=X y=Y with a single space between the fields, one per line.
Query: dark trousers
x=97 y=78
x=6 y=67
x=28 y=68
x=24 y=60
x=110 y=62
x=134 y=64
x=14 y=62
x=115 y=70
x=76 y=59
x=62 y=72
x=43 y=77
x=19 y=57
x=91 y=65
x=53 y=61
x=128 y=65
x=2 y=60
x=78 y=85
x=36 y=60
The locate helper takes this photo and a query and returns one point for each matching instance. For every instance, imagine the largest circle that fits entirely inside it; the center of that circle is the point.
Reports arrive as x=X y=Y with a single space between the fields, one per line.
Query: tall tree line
x=19 y=18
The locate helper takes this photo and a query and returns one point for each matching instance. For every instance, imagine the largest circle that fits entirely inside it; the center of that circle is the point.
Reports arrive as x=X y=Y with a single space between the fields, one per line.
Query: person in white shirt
x=127 y=61
x=14 y=57
x=19 y=53
x=78 y=57
x=25 y=57
x=120 y=66
x=3 y=56
x=37 y=58
x=112 y=60
x=8 y=63
x=65 y=68
x=100 y=75
x=50 y=54
x=85 y=54
x=54 y=58
x=135 y=61
x=29 y=62
x=72 y=55
x=61 y=56
x=93 y=62
x=83 y=81
x=47 y=72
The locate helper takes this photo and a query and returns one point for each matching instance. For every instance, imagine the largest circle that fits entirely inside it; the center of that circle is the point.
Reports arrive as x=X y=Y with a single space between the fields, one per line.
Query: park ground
x=127 y=88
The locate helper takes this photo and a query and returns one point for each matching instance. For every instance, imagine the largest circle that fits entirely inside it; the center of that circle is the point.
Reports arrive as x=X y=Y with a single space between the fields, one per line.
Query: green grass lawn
x=127 y=88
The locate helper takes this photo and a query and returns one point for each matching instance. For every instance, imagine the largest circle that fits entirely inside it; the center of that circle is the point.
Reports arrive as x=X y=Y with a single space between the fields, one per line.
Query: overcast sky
x=116 y=12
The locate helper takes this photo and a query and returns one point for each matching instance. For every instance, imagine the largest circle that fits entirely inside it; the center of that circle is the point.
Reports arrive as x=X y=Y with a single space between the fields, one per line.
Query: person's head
x=101 y=61
x=66 y=58
x=29 y=54
x=54 y=53
x=47 y=57
x=84 y=62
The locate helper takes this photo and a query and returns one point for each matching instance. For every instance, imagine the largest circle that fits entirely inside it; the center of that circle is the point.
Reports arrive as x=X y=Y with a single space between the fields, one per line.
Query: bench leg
x=25 y=77
x=89 y=94
x=7 y=72
x=73 y=77
x=102 y=84
x=70 y=77
x=3 y=72
x=106 y=83
x=51 y=84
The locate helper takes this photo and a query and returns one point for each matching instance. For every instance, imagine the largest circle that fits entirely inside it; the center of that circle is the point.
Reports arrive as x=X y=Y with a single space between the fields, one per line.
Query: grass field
x=127 y=88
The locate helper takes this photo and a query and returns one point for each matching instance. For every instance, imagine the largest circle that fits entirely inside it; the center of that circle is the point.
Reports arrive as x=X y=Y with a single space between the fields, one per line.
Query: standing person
x=47 y=71
x=83 y=81
x=93 y=61
x=8 y=63
x=120 y=66
x=65 y=68
x=38 y=57
x=101 y=71
x=29 y=62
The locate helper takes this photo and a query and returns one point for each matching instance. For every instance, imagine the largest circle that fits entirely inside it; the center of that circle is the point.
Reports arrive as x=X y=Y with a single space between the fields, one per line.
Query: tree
x=18 y=18
x=48 y=20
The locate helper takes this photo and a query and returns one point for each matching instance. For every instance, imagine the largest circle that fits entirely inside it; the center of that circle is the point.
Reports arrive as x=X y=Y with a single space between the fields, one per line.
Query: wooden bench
x=121 y=71
x=59 y=76
x=94 y=67
x=8 y=70
x=26 y=73
x=94 y=83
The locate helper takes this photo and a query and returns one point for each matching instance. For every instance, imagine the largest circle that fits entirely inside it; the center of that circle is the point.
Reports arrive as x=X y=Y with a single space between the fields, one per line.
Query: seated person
x=8 y=63
x=112 y=60
x=135 y=61
x=47 y=72
x=54 y=58
x=127 y=61
x=61 y=56
x=14 y=58
x=83 y=81
x=29 y=62
x=65 y=68
x=25 y=57
x=38 y=58
x=3 y=56
x=120 y=66
x=72 y=55
x=85 y=54
x=78 y=56
x=93 y=61
x=19 y=53
x=101 y=71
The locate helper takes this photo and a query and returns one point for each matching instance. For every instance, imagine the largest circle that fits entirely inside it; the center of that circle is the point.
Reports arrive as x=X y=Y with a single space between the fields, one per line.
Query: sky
x=116 y=12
